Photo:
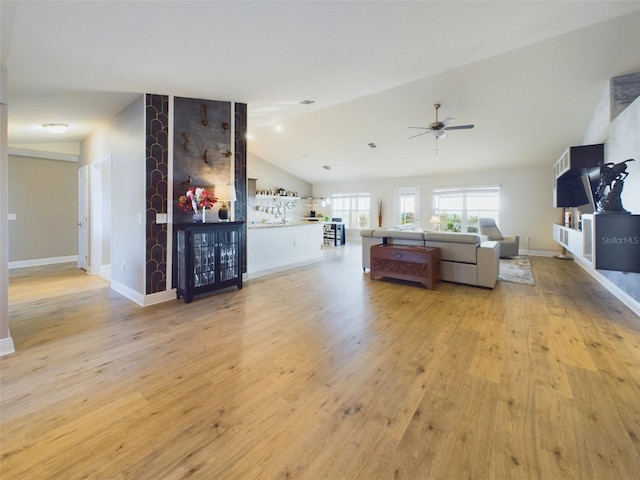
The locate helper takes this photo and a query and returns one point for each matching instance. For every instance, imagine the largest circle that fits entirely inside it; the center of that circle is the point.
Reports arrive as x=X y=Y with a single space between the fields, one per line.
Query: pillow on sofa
x=409 y=228
x=492 y=233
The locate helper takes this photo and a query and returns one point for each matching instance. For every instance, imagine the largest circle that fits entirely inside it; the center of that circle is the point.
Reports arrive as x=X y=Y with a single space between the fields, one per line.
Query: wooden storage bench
x=404 y=262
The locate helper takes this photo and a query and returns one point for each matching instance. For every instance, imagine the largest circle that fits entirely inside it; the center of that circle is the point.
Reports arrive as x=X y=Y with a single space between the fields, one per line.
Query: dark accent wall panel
x=240 y=171
x=157 y=170
x=201 y=147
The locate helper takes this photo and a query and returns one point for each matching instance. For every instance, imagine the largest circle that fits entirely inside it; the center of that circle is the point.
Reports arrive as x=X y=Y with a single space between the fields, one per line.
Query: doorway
x=83 y=217
x=101 y=217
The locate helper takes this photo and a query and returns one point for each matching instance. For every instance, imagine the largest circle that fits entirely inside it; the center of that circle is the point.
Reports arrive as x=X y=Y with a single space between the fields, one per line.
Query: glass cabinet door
x=228 y=243
x=204 y=258
x=182 y=259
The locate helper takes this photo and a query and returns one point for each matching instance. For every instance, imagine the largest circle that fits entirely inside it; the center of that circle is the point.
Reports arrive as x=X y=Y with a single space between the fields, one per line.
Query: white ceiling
x=527 y=74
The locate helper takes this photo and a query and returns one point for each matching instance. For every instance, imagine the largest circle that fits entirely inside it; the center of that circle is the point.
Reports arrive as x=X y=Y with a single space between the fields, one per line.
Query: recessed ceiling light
x=249 y=136
x=56 y=127
x=327 y=167
x=307 y=102
x=278 y=128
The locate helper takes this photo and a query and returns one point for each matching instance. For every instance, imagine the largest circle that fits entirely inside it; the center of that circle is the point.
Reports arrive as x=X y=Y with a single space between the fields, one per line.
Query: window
x=353 y=208
x=407 y=205
x=458 y=209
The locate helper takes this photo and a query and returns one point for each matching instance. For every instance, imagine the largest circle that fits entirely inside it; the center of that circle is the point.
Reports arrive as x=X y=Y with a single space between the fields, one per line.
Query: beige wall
x=43 y=194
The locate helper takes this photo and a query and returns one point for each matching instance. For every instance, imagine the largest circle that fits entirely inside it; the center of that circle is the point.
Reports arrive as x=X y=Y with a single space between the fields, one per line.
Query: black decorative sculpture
x=612 y=177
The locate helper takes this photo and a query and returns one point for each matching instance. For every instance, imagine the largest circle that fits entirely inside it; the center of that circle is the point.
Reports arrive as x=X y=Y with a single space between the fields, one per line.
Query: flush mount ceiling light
x=307 y=102
x=56 y=127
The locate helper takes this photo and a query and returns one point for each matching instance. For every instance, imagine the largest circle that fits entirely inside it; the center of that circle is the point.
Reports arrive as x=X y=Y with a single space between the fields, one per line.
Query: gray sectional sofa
x=465 y=257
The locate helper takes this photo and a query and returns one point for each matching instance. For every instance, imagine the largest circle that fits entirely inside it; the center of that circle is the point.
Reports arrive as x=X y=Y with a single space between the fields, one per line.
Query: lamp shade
x=434 y=219
x=225 y=193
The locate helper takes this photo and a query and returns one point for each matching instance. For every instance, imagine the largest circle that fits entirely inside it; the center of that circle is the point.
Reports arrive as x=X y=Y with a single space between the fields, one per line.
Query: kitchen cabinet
x=208 y=257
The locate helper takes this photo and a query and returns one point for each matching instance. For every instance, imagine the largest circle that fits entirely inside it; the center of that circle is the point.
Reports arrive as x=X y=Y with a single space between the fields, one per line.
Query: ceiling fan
x=438 y=129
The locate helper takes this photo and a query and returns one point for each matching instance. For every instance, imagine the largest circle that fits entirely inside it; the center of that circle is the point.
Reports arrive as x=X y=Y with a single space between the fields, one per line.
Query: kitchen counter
x=278 y=246
x=277 y=224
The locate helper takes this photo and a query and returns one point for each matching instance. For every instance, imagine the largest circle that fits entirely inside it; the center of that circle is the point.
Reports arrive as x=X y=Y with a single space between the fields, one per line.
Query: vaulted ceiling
x=527 y=74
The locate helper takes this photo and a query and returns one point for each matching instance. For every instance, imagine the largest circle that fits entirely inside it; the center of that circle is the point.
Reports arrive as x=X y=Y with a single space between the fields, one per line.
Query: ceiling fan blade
x=422 y=128
x=447 y=121
x=423 y=133
x=460 y=127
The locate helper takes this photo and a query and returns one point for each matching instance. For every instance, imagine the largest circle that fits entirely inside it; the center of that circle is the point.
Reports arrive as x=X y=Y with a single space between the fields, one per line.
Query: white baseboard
x=139 y=298
x=536 y=253
x=160 y=297
x=36 y=262
x=6 y=346
x=128 y=292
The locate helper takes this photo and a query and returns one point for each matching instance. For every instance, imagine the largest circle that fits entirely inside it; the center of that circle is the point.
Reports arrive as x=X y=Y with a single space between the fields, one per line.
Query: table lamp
x=225 y=193
x=435 y=221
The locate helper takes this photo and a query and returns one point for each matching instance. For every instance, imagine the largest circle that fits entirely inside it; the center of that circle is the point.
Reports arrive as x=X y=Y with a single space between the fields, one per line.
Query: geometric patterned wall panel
x=157 y=168
x=240 y=170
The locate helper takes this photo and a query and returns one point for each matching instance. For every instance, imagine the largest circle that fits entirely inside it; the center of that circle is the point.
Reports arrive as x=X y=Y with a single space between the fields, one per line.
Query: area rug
x=516 y=269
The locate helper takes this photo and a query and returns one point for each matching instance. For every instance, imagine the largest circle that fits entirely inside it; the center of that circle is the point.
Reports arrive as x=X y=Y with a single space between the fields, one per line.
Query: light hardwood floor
x=321 y=373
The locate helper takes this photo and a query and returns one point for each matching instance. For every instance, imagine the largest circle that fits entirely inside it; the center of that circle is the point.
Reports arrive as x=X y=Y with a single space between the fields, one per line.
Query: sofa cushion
x=455 y=251
x=399 y=234
x=453 y=237
x=410 y=227
x=492 y=233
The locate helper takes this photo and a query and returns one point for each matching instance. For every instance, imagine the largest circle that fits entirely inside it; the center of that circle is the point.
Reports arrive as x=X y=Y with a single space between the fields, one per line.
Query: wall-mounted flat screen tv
x=571 y=192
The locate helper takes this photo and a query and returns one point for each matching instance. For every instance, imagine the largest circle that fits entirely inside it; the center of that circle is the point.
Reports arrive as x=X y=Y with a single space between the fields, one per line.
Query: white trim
x=159 y=297
x=6 y=346
x=170 y=193
x=536 y=253
x=140 y=299
x=128 y=292
x=36 y=262
x=29 y=152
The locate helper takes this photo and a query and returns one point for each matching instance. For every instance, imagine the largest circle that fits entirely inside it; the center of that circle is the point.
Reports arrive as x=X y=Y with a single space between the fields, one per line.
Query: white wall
x=525 y=207
x=6 y=342
x=123 y=138
x=622 y=141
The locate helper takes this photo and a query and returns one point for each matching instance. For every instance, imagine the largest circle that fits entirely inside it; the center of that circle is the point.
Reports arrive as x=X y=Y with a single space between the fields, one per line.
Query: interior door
x=83 y=217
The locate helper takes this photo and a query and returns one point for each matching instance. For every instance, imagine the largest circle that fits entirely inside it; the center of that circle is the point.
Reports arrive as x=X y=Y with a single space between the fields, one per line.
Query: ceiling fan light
x=56 y=127
x=438 y=133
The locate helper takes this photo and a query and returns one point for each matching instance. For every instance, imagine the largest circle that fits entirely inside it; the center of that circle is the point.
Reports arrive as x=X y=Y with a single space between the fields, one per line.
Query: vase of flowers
x=197 y=200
